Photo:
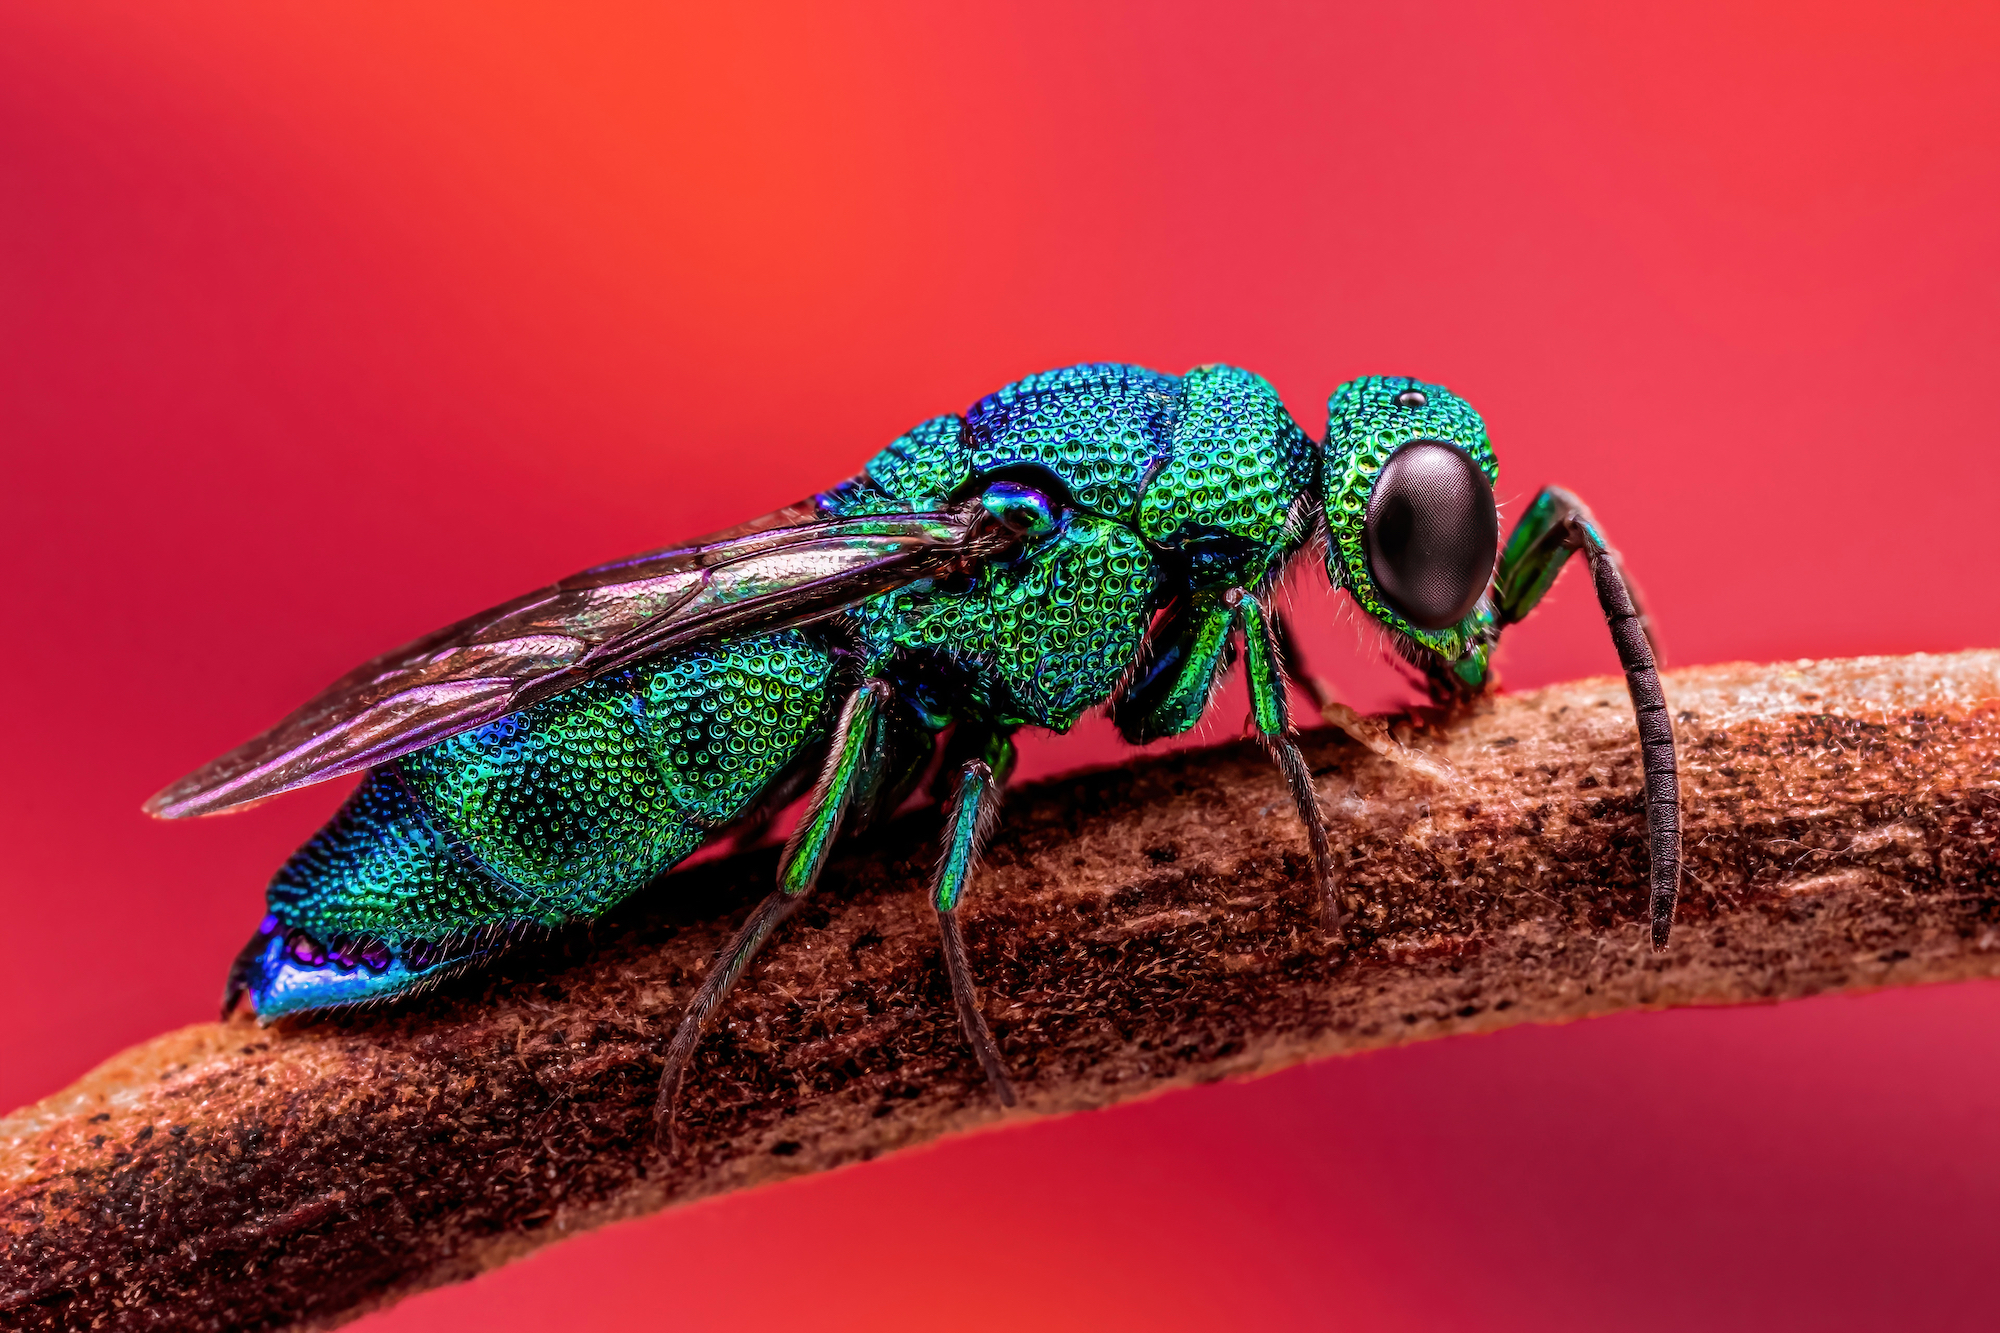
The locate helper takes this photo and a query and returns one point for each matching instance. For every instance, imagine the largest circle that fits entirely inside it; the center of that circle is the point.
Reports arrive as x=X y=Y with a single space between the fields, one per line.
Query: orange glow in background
x=321 y=326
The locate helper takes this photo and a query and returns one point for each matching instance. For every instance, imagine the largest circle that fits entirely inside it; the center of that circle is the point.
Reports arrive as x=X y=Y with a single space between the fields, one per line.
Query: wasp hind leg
x=974 y=807
x=845 y=775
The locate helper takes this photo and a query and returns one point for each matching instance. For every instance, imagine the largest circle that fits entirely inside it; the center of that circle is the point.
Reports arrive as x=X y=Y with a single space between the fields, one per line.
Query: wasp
x=1097 y=535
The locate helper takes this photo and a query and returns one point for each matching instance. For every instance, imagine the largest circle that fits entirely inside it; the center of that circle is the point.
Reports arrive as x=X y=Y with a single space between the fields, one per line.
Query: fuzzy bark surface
x=1133 y=929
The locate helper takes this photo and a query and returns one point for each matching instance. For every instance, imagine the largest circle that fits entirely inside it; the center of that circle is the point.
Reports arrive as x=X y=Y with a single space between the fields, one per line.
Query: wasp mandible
x=1097 y=534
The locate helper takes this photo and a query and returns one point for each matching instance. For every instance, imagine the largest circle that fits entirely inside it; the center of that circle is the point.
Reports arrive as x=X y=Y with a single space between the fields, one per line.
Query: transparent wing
x=787 y=568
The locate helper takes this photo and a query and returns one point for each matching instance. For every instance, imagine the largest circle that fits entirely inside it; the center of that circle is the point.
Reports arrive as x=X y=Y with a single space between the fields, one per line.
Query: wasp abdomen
x=551 y=814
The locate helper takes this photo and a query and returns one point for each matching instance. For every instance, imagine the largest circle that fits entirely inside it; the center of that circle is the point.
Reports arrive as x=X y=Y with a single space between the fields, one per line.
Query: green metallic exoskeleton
x=1096 y=535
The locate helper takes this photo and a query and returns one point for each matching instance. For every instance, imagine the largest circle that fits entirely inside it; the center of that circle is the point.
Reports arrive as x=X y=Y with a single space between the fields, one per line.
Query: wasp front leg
x=1184 y=654
x=1172 y=688
x=1555 y=526
x=1264 y=655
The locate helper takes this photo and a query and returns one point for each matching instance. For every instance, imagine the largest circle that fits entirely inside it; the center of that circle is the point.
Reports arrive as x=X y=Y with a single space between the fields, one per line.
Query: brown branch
x=1135 y=929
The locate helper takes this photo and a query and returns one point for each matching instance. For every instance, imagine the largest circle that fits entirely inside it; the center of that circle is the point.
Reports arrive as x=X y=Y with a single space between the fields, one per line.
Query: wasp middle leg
x=974 y=809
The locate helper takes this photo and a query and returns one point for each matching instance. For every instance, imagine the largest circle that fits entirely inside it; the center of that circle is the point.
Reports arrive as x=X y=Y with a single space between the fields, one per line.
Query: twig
x=1134 y=929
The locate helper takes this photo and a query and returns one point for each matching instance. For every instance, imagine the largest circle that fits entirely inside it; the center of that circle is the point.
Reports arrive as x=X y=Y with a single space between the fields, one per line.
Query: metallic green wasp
x=1092 y=535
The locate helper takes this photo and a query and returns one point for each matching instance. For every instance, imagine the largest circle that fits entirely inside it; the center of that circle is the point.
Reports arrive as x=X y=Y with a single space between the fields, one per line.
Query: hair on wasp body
x=1097 y=537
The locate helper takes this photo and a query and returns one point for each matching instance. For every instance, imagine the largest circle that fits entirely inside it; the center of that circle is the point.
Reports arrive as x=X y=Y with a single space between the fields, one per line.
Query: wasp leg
x=1184 y=654
x=1169 y=692
x=854 y=742
x=973 y=811
x=1555 y=526
x=1264 y=652
x=1293 y=663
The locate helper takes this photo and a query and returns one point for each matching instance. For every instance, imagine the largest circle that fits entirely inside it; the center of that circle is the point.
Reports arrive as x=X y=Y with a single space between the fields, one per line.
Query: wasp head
x=1412 y=528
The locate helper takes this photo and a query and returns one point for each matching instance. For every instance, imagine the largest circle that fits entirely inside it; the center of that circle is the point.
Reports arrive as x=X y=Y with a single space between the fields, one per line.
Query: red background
x=323 y=325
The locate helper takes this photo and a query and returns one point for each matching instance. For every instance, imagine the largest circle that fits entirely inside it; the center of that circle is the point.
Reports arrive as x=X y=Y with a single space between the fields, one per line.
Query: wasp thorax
x=1021 y=509
x=1432 y=533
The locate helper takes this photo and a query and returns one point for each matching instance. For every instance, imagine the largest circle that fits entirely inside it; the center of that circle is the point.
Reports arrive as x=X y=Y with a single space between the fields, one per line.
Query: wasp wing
x=788 y=568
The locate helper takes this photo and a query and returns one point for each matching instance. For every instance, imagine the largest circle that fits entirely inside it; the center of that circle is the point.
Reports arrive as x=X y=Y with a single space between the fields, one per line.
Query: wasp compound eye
x=1021 y=509
x=1432 y=533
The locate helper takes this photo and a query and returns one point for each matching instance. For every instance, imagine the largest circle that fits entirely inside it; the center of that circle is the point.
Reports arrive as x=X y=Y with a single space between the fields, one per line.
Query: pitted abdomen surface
x=581 y=799
x=382 y=868
x=562 y=809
